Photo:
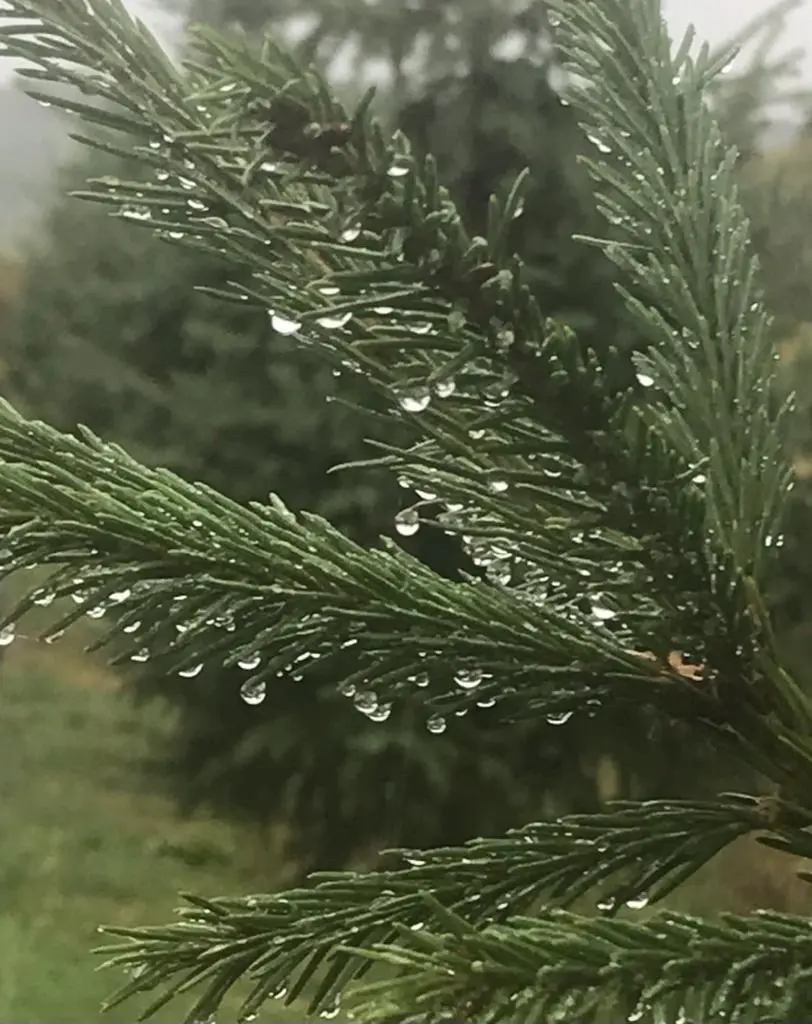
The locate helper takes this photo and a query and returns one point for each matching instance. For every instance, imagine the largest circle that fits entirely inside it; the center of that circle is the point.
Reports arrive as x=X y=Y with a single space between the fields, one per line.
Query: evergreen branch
x=565 y=967
x=192 y=577
x=712 y=364
x=631 y=853
x=358 y=246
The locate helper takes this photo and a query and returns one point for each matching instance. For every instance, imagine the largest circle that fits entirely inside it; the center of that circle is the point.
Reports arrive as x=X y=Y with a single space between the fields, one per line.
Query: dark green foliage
x=110 y=332
x=625 y=508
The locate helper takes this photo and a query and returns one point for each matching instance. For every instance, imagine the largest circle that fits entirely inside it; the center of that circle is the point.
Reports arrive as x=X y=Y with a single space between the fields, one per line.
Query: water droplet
x=253 y=691
x=365 y=701
x=334 y=322
x=436 y=724
x=559 y=718
x=97 y=612
x=398 y=170
x=476 y=434
x=7 y=635
x=43 y=598
x=602 y=614
x=380 y=713
x=347 y=689
x=486 y=702
x=351 y=234
x=135 y=213
x=607 y=905
x=140 y=656
x=414 y=399
x=468 y=679
x=283 y=325
x=700 y=479
x=497 y=485
x=120 y=595
x=192 y=671
x=445 y=388
x=637 y=902
x=407 y=522
x=599 y=144
x=132 y=627
x=250 y=662
x=644 y=380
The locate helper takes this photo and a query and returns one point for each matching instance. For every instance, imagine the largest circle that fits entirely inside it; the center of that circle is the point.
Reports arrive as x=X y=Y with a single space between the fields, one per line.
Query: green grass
x=85 y=842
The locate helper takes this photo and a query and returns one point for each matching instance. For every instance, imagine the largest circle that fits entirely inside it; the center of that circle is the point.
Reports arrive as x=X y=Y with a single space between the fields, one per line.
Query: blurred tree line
x=106 y=328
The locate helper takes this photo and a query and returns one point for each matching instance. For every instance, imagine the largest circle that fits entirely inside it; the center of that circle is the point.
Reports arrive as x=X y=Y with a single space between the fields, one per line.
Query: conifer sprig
x=624 y=522
x=287 y=941
x=560 y=966
x=276 y=592
x=285 y=181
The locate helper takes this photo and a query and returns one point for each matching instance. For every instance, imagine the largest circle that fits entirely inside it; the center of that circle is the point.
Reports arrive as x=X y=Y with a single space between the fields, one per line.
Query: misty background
x=35 y=138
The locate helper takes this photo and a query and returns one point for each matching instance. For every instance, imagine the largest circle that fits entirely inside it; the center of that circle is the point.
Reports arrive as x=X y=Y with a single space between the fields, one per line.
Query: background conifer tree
x=629 y=506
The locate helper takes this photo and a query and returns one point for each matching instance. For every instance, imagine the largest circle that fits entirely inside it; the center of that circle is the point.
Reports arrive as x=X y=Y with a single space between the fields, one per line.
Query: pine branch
x=318 y=200
x=712 y=362
x=190 y=576
x=296 y=941
x=674 y=481
x=561 y=966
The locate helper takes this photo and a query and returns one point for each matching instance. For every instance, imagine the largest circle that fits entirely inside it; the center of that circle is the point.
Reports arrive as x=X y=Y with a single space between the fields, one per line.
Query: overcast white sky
x=715 y=20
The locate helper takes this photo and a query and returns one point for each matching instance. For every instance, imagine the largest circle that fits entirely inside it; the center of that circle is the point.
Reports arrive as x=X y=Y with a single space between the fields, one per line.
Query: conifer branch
x=285 y=942
x=290 y=183
x=562 y=966
x=673 y=480
x=190 y=576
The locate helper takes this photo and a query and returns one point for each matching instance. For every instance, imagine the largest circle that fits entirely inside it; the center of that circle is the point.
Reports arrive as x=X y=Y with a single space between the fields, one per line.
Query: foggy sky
x=715 y=20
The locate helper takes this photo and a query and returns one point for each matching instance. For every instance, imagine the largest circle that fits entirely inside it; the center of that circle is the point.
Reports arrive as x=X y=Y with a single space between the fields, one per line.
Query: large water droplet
x=445 y=388
x=497 y=485
x=407 y=522
x=43 y=598
x=284 y=325
x=380 y=713
x=436 y=724
x=637 y=902
x=97 y=612
x=140 y=656
x=559 y=718
x=365 y=700
x=468 y=678
x=334 y=322
x=132 y=627
x=135 y=213
x=7 y=635
x=249 y=662
x=253 y=691
x=644 y=380
x=414 y=399
x=192 y=671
